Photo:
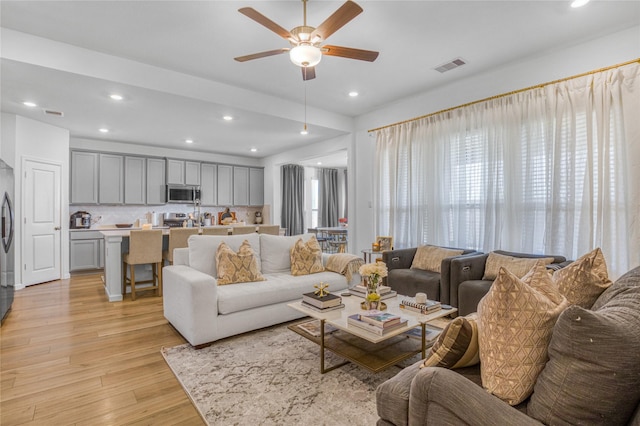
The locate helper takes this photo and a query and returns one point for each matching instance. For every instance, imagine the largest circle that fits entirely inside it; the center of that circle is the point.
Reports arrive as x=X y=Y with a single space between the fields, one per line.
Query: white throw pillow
x=274 y=252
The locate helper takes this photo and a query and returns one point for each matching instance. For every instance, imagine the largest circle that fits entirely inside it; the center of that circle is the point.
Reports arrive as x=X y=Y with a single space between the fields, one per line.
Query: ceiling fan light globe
x=305 y=55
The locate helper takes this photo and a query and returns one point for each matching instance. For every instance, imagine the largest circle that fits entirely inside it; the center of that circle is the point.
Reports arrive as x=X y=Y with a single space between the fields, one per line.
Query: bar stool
x=215 y=231
x=178 y=238
x=269 y=229
x=237 y=230
x=145 y=247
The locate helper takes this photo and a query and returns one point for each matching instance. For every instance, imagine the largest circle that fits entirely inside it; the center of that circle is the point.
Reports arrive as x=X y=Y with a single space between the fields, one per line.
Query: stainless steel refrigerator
x=7 y=270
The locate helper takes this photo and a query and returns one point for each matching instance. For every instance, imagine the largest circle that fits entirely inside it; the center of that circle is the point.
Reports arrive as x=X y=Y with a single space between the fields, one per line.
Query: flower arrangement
x=374 y=273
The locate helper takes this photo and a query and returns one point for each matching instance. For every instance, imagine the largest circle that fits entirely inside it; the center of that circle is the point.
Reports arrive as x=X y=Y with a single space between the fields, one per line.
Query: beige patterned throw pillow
x=429 y=258
x=241 y=267
x=518 y=266
x=306 y=258
x=584 y=280
x=515 y=322
x=457 y=345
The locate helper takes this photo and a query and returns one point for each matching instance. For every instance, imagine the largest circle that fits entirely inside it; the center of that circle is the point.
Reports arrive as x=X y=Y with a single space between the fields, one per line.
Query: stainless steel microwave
x=182 y=194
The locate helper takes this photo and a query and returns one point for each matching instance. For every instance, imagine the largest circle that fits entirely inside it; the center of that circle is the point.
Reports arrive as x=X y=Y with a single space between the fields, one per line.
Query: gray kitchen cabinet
x=225 y=185
x=191 y=173
x=111 y=180
x=86 y=250
x=156 y=188
x=175 y=172
x=181 y=172
x=209 y=184
x=256 y=186
x=240 y=186
x=135 y=180
x=84 y=177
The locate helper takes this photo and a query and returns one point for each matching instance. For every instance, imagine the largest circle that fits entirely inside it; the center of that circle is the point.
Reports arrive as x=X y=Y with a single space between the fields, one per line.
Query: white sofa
x=204 y=312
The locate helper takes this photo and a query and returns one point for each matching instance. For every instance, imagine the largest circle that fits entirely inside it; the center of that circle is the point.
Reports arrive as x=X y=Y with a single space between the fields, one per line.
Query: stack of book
x=326 y=303
x=377 y=322
x=385 y=292
x=428 y=307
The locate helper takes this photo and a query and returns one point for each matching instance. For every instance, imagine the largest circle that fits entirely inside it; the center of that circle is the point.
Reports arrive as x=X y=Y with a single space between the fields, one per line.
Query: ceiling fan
x=306 y=42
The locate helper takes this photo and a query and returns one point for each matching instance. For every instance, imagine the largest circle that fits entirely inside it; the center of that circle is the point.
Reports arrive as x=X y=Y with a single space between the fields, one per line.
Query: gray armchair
x=408 y=282
x=466 y=286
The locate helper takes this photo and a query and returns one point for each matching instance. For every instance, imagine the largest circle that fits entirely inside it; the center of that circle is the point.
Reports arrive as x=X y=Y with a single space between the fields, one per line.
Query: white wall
x=591 y=55
x=30 y=139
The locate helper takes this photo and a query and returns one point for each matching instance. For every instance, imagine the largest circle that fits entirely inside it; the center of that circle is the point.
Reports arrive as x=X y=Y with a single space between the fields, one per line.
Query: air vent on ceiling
x=54 y=113
x=450 y=65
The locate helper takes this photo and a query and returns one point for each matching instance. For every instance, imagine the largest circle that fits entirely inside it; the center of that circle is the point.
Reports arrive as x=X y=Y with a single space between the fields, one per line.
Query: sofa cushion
x=518 y=266
x=306 y=258
x=278 y=288
x=203 y=249
x=515 y=321
x=593 y=371
x=408 y=282
x=240 y=267
x=582 y=281
x=275 y=252
x=429 y=258
x=457 y=345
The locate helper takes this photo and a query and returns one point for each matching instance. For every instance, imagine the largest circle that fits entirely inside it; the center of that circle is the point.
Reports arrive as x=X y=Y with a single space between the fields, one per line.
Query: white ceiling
x=173 y=62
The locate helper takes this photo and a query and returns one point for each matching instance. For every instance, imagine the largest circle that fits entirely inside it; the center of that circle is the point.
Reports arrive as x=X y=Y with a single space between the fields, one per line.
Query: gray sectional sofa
x=592 y=376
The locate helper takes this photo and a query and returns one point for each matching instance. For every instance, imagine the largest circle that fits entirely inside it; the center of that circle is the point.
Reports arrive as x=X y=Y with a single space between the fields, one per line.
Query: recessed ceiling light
x=353 y=94
x=104 y=130
x=116 y=97
x=188 y=141
x=319 y=163
x=579 y=3
x=227 y=118
x=29 y=104
x=254 y=150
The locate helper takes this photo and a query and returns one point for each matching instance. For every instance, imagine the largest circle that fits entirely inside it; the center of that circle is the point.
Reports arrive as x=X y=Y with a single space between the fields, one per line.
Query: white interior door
x=42 y=227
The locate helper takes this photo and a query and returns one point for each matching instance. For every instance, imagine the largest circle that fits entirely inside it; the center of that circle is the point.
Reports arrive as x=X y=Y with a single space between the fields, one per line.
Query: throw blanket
x=344 y=263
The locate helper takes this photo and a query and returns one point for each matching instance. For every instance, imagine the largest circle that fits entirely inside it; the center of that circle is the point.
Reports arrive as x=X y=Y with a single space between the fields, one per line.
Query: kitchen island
x=116 y=243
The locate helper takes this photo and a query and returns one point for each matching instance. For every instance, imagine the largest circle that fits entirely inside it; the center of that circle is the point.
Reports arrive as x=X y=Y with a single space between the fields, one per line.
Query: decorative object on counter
x=80 y=220
x=124 y=225
x=373 y=274
x=384 y=243
x=208 y=219
x=226 y=217
x=258 y=218
x=146 y=226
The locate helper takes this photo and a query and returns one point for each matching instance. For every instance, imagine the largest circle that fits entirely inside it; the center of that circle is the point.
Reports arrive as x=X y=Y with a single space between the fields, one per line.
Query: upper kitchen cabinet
x=111 y=180
x=209 y=184
x=225 y=185
x=181 y=172
x=156 y=188
x=135 y=180
x=256 y=187
x=240 y=186
x=84 y=177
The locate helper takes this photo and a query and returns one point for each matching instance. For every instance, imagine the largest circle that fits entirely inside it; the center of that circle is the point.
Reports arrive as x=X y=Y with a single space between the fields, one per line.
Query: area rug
x=272 y=377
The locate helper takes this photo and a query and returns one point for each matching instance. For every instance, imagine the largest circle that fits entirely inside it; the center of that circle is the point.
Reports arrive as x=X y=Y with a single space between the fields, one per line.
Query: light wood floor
x=68 y=356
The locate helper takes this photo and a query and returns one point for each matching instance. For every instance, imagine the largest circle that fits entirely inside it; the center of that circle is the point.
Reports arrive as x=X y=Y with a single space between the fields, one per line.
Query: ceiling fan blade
x=349 y=52
x=340 y=17
x=263 y=20
x=261 y=55
x=308 y=73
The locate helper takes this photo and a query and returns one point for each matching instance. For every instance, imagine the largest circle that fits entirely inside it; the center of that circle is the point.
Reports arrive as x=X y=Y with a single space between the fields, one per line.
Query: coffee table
x=366 y=349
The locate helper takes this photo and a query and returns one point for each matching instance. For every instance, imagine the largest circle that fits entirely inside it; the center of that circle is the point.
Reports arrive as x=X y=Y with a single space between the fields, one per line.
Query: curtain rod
x=538 y=86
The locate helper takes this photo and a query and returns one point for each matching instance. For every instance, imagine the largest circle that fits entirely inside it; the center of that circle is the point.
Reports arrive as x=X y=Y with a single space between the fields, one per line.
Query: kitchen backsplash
x=109 y=215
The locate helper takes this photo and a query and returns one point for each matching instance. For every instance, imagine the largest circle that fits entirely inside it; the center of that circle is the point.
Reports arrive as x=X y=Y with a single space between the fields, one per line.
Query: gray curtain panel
x=292 y=217
x=327 y=197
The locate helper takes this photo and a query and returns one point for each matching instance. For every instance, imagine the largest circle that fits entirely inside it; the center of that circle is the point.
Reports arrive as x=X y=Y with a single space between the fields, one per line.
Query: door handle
x=57 y=228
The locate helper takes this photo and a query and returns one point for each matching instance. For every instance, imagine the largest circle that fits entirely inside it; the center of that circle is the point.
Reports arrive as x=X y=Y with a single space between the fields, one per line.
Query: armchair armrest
x=441 y=396
x=190 y=298
x=445 y=276
x=464 y=268
x=399 y=259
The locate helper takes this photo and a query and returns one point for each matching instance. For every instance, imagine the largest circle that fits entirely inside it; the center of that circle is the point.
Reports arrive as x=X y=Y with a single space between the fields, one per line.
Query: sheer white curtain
x=552 y=170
